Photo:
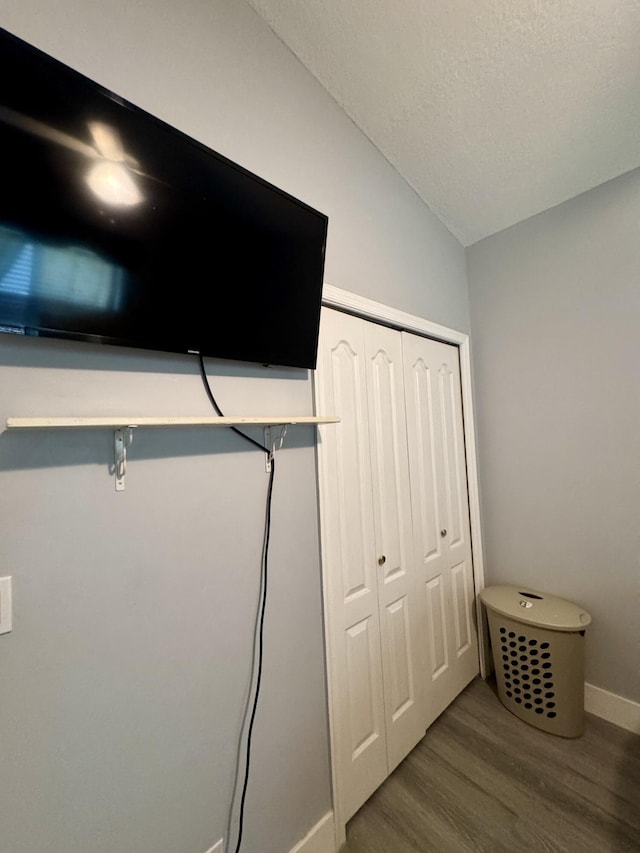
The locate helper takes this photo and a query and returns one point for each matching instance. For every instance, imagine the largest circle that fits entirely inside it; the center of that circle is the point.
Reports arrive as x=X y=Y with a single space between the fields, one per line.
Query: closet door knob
x=443 y=532
x=382 y=560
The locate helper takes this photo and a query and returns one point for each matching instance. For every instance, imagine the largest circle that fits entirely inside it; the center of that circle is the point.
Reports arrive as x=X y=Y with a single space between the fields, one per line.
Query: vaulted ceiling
x=492 y=110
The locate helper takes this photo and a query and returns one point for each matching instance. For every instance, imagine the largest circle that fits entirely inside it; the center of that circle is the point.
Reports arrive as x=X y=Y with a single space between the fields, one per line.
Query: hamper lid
x=535 y=608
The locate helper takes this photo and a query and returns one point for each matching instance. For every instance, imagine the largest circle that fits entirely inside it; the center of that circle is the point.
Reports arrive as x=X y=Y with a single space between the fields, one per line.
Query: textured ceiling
x=492 y=110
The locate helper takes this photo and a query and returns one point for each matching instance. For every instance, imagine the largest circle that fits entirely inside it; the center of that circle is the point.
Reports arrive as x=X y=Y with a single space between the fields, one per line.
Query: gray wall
x=555 y=311
x=124 y=678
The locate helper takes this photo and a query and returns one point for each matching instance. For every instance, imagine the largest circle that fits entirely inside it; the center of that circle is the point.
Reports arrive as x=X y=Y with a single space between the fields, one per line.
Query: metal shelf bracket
x=275 y=445
x=122 y=439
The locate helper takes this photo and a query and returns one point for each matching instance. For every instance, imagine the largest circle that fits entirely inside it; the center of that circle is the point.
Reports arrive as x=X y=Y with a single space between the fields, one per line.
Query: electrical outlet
x=5 y=605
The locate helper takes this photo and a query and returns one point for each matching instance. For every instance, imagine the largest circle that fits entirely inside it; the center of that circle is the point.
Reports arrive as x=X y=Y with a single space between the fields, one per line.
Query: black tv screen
x=116 y=228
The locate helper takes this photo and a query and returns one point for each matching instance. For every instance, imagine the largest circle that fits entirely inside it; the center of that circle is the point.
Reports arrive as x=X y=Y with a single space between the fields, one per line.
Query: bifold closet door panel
x=350 y=565
x=401 y=611
x=440 y=506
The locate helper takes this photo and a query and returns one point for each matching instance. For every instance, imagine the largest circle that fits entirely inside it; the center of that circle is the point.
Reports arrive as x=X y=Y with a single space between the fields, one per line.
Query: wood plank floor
x=483 y=780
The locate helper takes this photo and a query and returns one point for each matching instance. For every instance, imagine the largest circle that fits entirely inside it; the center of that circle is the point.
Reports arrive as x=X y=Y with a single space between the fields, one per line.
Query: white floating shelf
x=123 y=429
x=121 y=422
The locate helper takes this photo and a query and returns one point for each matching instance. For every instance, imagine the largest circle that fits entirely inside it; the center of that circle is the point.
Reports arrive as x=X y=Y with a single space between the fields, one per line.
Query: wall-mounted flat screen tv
x=116 y=228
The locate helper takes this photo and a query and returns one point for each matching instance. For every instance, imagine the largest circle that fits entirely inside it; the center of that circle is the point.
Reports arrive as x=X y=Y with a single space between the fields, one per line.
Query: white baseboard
x=218 y=847
x=319 y=839
x=616 y=709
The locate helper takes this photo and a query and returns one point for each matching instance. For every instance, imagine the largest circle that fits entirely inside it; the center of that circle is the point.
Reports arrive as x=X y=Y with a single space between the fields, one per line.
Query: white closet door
x=350 y=565
x=401 y=613
x=441 y=516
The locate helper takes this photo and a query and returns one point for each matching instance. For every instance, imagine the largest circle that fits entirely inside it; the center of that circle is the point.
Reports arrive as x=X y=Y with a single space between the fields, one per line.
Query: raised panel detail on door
x=437 y=456
x=384 y=446
x=427 y=520
x=454 y=479
x=350 y=471
x=366 y=721
x=437 y=642
x=398 y=630
x=461 y=591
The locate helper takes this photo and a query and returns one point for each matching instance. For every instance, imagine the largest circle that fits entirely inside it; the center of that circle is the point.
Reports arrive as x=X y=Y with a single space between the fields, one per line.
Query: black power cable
x=258 y=638
x=218 y=411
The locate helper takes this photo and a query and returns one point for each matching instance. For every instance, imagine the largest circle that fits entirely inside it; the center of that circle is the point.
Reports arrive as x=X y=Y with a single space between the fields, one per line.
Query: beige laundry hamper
x=538 y=653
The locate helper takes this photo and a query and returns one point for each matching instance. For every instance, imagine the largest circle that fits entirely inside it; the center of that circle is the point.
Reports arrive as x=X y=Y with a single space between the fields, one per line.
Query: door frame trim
x=352 y=303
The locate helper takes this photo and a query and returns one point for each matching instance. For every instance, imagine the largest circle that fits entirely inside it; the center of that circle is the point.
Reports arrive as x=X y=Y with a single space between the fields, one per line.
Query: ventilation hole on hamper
x=524 y=658
x=505 y=666
x=528 y=705
x=552 y=714
x=546 y=665
x=533 y=642
x=514 y=654
x=535 y=672
x=512 y=644
x=525 y=676
x=505 y=657
x=537 y=691
x=511 y=634
x=544 y=645
x=518 y=700
x=538 y=701
x=505 y=648
x=517 y=690
x=539 y=710
x=507 y=684
x=521 y=639
x=548 y=685
x=536 y=681
x=551 y=704
x=527 y=695
x=549 y=695
x=516 y=680
x=522 y=648
x=534 y=661
x=503 y=630
x=524 y=667
x=545 y=655
x=509 y=694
